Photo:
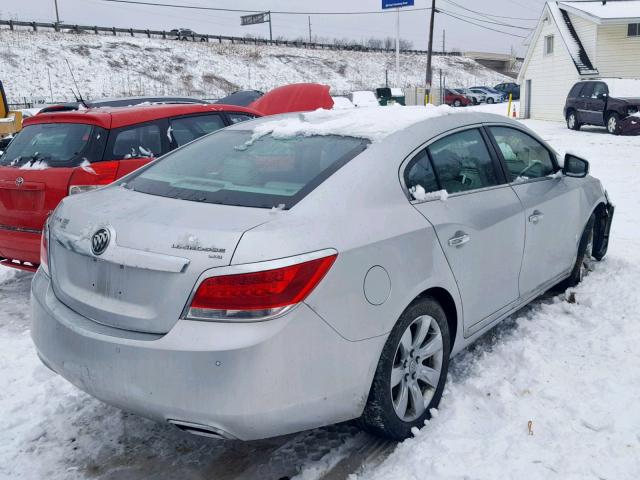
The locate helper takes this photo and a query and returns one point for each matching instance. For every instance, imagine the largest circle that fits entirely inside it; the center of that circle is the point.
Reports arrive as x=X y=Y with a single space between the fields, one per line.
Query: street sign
x=255 y=18
x=397 y=3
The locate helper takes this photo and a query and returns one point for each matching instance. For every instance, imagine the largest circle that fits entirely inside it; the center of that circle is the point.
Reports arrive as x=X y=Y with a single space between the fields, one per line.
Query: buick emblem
x=19 y=181
x=100 y=241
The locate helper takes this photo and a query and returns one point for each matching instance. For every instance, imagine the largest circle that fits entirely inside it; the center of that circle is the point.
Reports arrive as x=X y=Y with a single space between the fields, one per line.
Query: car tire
x=584 y=258
x=489 y=100
x=613 y=121
x=457 y=103
x=572 y=121
x=422 y=328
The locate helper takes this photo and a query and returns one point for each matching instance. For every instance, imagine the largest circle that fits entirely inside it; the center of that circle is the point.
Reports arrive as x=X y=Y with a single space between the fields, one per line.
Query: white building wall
x=552 y=76
x=617 y=54
x=588 y=34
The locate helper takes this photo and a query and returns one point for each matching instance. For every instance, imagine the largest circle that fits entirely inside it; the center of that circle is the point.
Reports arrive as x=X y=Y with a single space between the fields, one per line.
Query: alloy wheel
x=417 y=366
x=571 y=121
x=612 y=124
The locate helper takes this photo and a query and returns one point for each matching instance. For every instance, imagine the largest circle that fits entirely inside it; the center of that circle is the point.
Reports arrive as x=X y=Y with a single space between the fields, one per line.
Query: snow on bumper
x=246 y=381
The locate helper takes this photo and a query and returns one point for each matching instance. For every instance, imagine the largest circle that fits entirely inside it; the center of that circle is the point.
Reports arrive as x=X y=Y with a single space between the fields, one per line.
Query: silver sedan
x=293 y=272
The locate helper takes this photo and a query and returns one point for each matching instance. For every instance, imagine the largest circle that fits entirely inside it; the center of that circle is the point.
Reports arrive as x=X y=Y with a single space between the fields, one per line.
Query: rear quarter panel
x=370 y=222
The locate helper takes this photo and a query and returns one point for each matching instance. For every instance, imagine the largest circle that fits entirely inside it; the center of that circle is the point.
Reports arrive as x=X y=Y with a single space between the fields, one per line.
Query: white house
x=573 y=41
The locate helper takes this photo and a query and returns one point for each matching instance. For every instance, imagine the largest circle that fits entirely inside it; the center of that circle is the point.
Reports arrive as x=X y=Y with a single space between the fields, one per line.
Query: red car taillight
x=257 y=295
x=92 y=176
x=44 y=248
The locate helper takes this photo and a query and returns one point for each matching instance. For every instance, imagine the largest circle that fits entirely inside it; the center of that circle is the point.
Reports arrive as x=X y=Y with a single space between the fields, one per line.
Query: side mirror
x=575 y=167
x=602 y=96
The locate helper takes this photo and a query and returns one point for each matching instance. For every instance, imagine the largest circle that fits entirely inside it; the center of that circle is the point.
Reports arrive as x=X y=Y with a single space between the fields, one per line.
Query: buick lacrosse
x=296 y=271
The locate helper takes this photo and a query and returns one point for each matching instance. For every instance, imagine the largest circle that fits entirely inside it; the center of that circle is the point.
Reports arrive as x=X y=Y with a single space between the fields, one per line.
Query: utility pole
x=309 y=28
x=270 y=31
x=398 y=47
x=55 y=2
x=429 y=53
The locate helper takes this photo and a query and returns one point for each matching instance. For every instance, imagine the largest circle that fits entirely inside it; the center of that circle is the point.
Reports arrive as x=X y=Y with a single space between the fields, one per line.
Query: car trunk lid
x=158 y=248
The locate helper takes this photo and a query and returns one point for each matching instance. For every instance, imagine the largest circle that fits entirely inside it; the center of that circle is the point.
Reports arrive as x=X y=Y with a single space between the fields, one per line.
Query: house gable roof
x=610 y=12
x=570 y=40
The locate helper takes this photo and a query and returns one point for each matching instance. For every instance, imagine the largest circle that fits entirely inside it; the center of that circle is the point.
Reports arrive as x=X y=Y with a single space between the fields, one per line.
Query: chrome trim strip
x=119 y=255
x=20 y=229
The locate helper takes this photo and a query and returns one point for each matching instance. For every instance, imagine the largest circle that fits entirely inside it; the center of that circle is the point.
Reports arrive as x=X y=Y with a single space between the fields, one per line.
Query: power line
x=279 y=12
x=502 y=24
x=480 y=25
x=490 y=15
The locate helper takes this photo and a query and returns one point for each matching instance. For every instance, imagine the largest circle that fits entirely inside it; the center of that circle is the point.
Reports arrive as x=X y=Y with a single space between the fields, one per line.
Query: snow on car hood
x=373 y=123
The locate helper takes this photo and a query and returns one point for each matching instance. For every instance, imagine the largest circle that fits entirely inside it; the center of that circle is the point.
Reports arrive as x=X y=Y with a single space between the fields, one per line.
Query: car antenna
x=79 y=95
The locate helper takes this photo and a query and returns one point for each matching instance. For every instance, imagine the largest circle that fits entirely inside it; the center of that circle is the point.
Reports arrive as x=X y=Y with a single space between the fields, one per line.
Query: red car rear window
x=46 y=145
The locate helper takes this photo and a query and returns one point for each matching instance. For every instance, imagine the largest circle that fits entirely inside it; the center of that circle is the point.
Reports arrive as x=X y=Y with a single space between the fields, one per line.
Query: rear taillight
x=257 y=295
x=44 y=248
x=92 y=176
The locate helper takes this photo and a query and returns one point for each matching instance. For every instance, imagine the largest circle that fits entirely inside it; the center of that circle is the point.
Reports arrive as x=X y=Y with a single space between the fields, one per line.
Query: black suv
x=509 y=88
x=602 y=102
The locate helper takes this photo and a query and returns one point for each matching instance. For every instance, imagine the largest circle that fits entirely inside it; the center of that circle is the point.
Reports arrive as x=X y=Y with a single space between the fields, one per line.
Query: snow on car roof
x=373 y=123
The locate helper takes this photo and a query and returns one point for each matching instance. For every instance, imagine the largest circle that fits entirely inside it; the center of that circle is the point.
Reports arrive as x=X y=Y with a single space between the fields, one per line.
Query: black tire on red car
x=457 y=103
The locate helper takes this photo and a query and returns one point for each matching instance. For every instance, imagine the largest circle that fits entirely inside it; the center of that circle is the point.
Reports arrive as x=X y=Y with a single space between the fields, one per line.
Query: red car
x=67 y=152
x=456 y=100
x=63 y=153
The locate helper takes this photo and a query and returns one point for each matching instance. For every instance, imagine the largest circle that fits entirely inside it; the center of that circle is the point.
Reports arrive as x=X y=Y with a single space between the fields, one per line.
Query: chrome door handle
x=536 y=216
x=459 y=239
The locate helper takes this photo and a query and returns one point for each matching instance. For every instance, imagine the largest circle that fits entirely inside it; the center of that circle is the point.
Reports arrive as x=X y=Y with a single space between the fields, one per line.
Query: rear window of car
x=55 y=145
x=232 y=168
x=187 y=129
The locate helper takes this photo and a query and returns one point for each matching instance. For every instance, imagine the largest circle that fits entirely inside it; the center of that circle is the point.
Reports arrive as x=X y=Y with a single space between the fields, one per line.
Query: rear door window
x=187 y=129
x=55 y=145
x=136 y=141
x=419 y=174
x=599 y=88
x=462 y=162
x=587 y=90
x=231 y=167
x=524 y=156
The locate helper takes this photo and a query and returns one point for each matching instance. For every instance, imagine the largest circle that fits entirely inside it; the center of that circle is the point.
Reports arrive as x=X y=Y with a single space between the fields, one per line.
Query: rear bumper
x=245 y=381
x=20 y=245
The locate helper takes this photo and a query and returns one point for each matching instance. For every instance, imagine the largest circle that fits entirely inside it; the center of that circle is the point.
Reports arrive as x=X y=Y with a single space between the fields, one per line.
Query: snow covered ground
x=571 y=369
x=34 y=65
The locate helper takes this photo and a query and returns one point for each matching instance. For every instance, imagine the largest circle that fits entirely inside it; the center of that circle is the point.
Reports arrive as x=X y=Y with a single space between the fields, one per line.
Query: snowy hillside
x=111 y=66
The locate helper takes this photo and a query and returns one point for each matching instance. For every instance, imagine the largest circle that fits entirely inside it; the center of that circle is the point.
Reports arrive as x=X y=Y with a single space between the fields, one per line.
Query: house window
x=633 y=30
x=548 y=45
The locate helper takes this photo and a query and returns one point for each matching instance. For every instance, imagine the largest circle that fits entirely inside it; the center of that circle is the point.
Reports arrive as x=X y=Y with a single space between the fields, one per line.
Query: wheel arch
x=448 y=304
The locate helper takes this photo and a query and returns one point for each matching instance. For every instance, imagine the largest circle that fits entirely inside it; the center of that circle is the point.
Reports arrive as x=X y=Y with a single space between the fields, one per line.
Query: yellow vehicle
x=10 y=122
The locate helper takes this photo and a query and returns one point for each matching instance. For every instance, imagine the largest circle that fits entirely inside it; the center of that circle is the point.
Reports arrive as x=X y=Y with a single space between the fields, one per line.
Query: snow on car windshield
x=374 y=123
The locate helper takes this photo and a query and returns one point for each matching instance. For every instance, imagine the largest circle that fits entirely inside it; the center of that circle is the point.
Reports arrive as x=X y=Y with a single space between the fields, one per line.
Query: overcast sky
x=413 y=25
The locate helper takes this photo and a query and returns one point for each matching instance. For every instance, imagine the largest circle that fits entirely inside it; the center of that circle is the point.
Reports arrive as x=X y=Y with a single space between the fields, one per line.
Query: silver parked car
x=297 y=271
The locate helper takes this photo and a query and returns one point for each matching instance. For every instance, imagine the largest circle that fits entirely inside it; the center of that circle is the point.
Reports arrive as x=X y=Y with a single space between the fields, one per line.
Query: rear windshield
x=55 y=145
x=228 y=168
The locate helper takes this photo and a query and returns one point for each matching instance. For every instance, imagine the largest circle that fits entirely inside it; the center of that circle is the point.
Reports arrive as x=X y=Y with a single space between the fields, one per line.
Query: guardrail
x=204 y=37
